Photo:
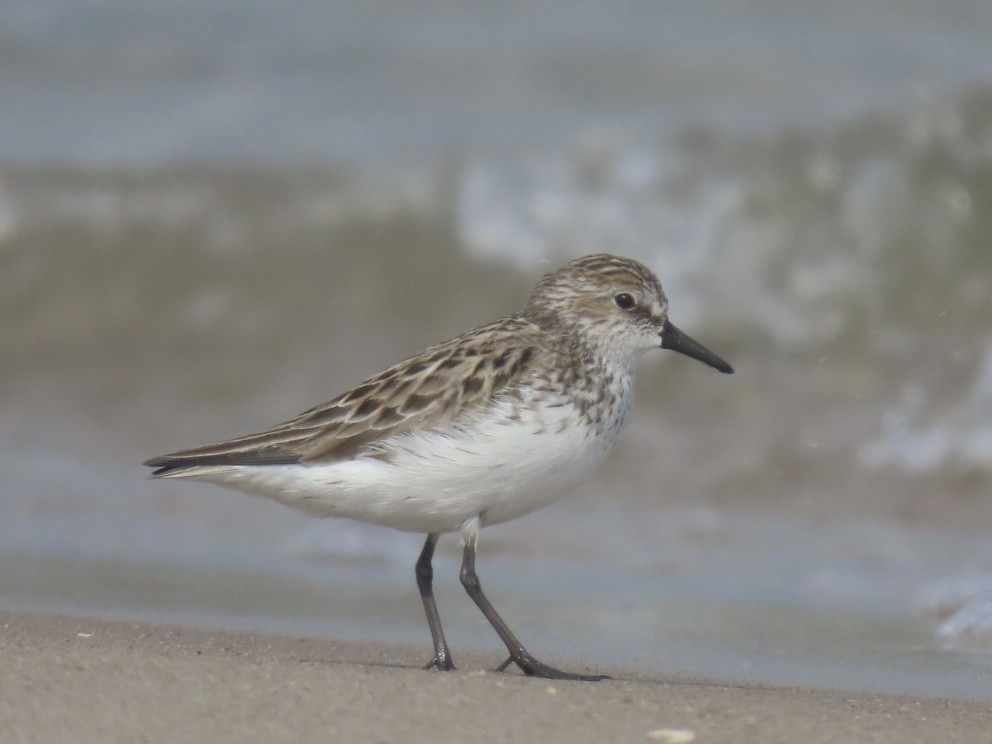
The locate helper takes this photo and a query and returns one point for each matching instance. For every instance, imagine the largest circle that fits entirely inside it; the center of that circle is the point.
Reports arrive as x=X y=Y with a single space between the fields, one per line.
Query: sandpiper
x=478 y=430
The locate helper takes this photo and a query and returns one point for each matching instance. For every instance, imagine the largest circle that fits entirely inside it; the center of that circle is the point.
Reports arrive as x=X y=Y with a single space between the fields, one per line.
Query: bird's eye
x=624 y=300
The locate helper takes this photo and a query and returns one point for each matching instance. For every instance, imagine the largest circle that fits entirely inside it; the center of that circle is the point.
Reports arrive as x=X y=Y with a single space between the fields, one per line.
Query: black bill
x=672 y=338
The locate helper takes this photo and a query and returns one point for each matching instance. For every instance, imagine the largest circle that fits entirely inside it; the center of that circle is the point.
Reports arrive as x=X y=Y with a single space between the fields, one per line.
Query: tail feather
x=167 y=465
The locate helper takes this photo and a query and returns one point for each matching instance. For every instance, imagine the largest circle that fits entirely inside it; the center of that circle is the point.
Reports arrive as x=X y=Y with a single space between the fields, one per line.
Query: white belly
x=492 y=467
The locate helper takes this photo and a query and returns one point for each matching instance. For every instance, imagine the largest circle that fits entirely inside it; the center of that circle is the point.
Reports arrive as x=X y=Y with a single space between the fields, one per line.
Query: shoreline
x=92 y=680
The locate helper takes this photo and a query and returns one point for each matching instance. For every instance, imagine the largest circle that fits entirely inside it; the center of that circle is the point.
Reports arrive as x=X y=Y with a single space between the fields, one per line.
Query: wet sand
x=82 y=680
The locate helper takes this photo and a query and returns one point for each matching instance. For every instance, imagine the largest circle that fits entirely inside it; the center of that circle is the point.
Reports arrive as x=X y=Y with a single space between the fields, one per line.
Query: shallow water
x=198 y=240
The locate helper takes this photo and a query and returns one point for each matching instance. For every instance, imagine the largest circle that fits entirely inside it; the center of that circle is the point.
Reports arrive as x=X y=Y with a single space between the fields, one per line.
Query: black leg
x=425 y=578
x=518 y=654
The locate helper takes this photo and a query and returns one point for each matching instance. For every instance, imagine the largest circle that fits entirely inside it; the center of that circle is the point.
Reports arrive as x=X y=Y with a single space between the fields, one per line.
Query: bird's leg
x=425 y=578
x=518 y=654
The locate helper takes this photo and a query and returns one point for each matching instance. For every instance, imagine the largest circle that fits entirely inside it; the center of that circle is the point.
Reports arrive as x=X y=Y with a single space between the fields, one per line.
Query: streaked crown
x=615 y=303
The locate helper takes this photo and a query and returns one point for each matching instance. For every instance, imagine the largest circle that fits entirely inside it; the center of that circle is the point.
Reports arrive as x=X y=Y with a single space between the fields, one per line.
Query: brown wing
x=427 y=390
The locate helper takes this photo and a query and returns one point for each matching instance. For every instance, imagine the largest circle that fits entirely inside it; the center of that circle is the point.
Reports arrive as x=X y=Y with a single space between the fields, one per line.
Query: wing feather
x=431 y=389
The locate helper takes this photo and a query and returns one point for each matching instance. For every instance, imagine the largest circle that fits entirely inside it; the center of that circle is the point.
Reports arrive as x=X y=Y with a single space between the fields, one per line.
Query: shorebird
x=478 y=430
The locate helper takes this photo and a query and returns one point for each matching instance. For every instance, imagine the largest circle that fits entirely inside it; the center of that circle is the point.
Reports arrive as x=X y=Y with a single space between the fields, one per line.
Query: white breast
x=498 y=465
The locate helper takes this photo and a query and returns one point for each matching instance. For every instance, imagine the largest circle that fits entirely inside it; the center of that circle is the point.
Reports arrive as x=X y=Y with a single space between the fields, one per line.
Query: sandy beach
x=79 y=680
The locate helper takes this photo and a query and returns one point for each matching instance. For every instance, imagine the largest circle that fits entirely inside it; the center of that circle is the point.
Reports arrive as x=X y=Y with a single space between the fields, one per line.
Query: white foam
x=920 y=441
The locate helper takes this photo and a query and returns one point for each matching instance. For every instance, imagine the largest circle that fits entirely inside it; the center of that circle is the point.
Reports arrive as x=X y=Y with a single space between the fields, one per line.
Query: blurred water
x=215 y=215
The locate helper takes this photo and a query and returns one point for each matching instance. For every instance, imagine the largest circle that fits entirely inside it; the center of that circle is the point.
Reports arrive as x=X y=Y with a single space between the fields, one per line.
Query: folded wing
x=431 y=389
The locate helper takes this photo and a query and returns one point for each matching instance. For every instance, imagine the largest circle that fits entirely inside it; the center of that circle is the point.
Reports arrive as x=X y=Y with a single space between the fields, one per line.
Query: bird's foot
x=533 y=668
x=442 y=662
